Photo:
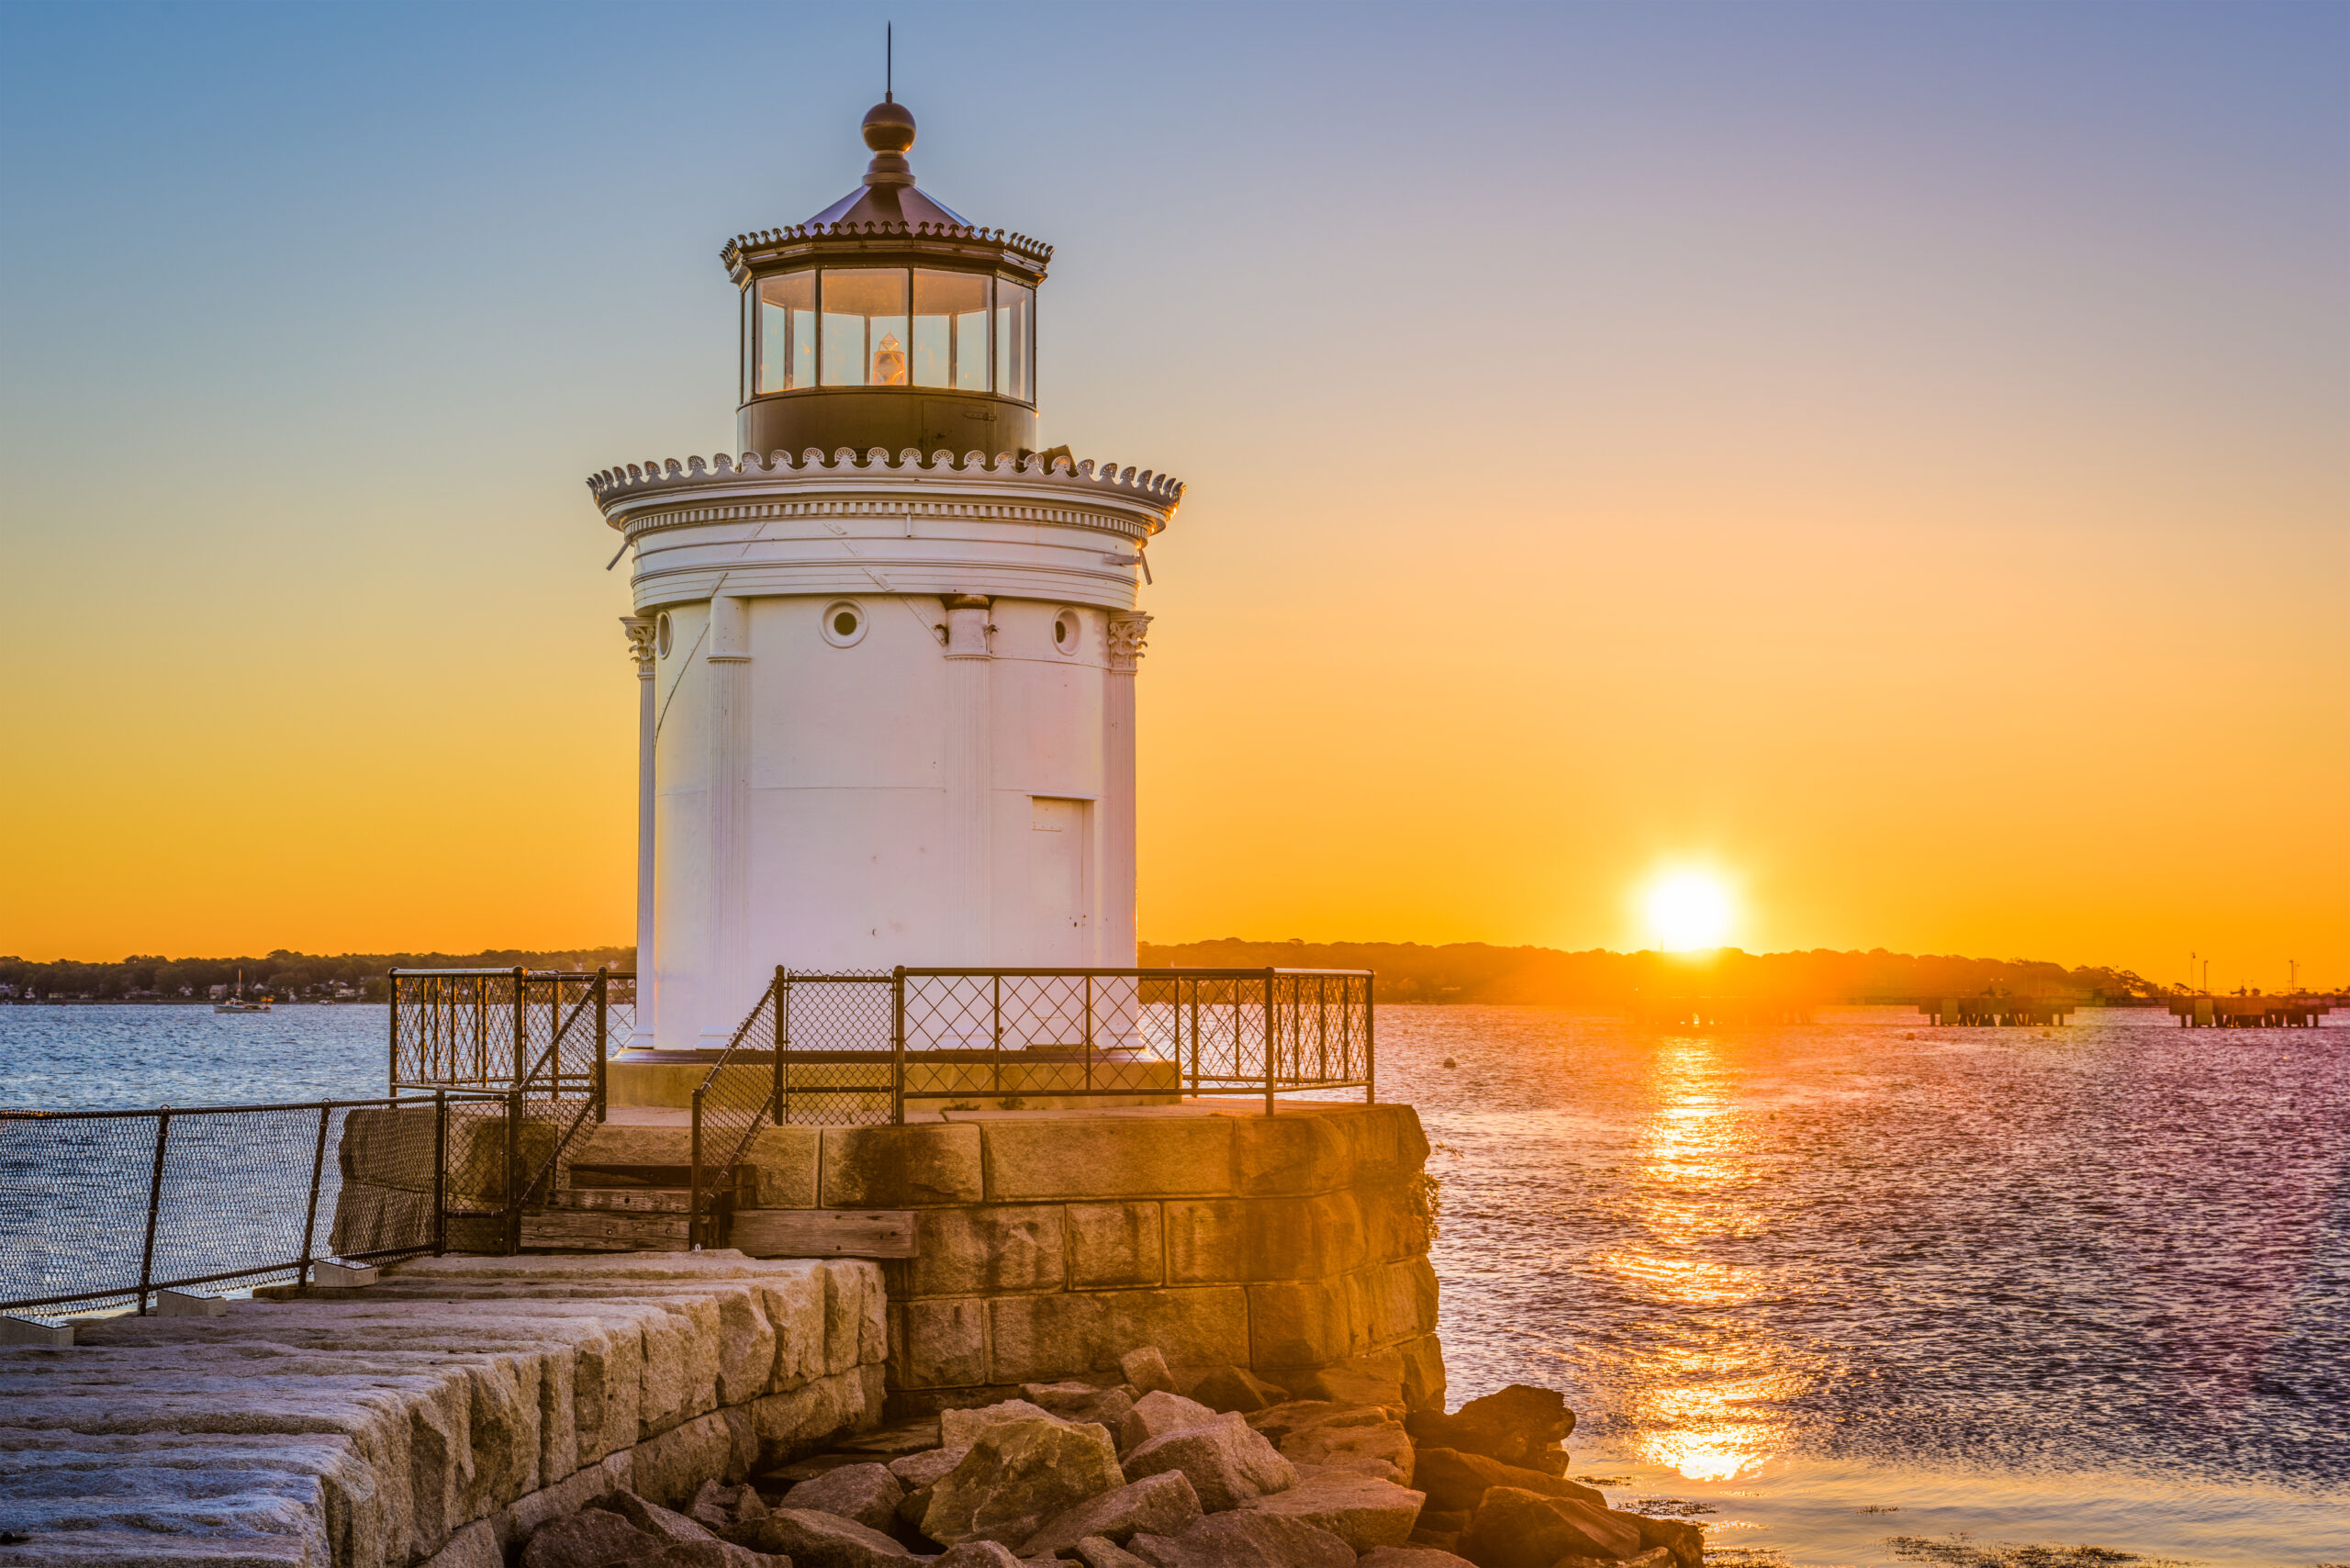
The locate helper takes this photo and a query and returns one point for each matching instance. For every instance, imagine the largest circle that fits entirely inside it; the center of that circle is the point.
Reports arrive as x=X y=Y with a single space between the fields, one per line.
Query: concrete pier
x=2250 y=1012
x=437 y=1416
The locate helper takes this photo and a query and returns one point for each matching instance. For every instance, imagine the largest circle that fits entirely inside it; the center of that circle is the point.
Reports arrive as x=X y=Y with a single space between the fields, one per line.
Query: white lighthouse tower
x=886 y=648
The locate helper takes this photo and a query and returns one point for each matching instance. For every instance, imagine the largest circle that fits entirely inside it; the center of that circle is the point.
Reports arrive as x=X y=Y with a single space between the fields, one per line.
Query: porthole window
x=662 y=635
x=1067 y=632
x=843 y=623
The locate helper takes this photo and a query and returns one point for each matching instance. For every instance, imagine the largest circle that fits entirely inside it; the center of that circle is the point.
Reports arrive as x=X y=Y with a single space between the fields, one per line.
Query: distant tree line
x=1408 y=972
x=282 y=973
x=1475 y=971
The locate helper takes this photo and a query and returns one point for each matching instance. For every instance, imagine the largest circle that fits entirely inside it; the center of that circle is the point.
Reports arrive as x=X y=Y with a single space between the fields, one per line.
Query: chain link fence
x=103 y=1210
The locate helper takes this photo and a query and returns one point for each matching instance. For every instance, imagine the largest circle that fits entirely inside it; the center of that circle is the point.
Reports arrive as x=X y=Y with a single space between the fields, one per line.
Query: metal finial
x=889 y=62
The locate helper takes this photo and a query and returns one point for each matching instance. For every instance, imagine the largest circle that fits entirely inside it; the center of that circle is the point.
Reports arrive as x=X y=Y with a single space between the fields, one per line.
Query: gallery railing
x=106 y=1210
x=847 y=1049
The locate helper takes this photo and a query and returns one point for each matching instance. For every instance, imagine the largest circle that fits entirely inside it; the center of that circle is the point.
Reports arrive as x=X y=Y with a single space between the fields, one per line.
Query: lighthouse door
x=1057 y=881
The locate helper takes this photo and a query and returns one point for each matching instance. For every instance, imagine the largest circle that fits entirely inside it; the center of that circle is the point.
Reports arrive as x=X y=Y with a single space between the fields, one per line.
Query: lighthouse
x=886 y=647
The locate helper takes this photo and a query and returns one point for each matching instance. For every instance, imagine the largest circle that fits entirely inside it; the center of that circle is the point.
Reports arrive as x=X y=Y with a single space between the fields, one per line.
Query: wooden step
x=604 y=1231
x=642 y=1200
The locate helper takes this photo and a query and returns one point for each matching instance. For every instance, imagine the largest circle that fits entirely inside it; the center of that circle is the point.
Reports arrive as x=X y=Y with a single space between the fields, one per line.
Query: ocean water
x=1856 y=1292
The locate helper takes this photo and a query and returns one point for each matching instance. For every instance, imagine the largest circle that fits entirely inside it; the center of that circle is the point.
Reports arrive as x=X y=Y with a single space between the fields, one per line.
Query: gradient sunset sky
x=1893 y=457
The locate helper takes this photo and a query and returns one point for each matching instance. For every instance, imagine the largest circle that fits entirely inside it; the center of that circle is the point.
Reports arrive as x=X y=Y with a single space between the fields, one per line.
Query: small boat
x=237 y=1004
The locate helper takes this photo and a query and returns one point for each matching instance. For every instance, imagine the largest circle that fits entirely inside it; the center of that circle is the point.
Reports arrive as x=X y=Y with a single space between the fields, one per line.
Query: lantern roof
x=886 y=212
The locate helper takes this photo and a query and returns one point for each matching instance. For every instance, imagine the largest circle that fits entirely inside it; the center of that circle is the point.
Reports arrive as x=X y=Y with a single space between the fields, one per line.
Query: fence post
x=513 y=1170
x=521 y=1023
x=155 y=1204
x=1272 y=1036
x=693 y=1188
x=391 y=1083
x=783 y=1037
x=440 y=1172
x=1088 y=1033
x=310 y=1221
x=995 y=1034
x=897 y=1045
x=603 y=1033
x=1195 y=1035
x=1370 y=1039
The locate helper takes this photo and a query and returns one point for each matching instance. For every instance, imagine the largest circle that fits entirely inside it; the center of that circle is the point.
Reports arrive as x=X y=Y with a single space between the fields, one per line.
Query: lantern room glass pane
x=787 y=333
x=951 y=329
x=865 y=327
x=1016 y=327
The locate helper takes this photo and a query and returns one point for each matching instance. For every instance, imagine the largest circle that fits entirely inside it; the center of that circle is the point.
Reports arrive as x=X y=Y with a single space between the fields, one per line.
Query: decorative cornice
x=629 y=480
x=1127 y=634
x=740 y=249
x=640 y=642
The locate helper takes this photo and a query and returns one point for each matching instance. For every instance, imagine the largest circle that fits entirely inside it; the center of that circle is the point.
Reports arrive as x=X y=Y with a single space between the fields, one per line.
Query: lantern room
x=887 y=321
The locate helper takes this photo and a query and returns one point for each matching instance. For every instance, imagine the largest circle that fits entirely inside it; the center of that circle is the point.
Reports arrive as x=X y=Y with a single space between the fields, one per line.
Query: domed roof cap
x=888 y=195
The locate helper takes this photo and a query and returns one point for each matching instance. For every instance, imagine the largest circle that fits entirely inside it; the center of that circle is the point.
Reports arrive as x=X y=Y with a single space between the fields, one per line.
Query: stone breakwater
x=1236 y=1474
x=450 y=1409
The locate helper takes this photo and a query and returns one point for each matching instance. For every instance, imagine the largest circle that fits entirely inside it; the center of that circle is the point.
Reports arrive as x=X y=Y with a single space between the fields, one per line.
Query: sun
x=1687 y=910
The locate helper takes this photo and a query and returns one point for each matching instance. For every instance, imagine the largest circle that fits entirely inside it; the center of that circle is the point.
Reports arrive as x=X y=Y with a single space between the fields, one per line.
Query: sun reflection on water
x=1705 y=1397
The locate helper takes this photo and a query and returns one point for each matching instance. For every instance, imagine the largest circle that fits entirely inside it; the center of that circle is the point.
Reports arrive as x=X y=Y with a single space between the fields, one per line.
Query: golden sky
x=1894 y=460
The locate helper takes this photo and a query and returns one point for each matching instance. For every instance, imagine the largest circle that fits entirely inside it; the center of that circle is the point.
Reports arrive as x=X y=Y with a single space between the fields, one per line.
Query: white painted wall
x=954 y=786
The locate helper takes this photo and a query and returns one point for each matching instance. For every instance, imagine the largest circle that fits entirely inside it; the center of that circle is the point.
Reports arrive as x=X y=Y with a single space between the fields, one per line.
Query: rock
x=1365 y=1380
x=1516 y=1529
x=1158 y=1413
x=1411 y=1557
x=1424 y=1378
x=1457 y=1480
x=1365 y=1438
x=722 y=1509
x=962 y=1428
x=1244 y=1540
x=1684 y=1540
x=825 y=1540
x=975 y=1554
x=1145 y=1371
x=1226 y=1462
x=1236 y=1388
x=690 y=1545
x=1447 y=1522
x=1162 y=1505
x=868 y=1493
x=1081 y=1402
x=589 y=1539
x=1095 y=1551
x=1658 y=1558
x=923 y=1469
x=1362 y=1510
x=1521 y=1426
x=1017 y=1475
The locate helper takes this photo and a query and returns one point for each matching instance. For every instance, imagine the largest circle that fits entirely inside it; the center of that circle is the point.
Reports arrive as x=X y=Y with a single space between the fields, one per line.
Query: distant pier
x=2250 y=1012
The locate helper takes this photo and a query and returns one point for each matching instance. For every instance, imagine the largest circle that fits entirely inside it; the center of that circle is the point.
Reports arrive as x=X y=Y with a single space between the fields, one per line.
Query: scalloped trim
x=622 y=479
x=1019 y=244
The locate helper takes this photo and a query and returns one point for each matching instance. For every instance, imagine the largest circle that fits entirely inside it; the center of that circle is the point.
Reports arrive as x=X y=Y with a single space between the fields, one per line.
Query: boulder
x=1236 y=1388
x=975 y=1554
x=1096 y=1551
x=1683 y=1541
x=1244 y=1540
x=1365 y=1380
x=589 y=1538
x=1658 y=1558
x=1017 y=1475
x=1521 y=1426
x=923 y=1469
x=1227 y=1462
x=962 y=1428
x=694 y=1545
x=1516 y=1529
x=1158 y=1413
x=1162 y=1505
x=722 y=1509
x=868 y=1493
x=1424 y=1380
x=825 y=1540
x=1081 y=1402
x=1354 y=1437
x=1457 y=1480
x=1145 y=1371
x=1411 y=1557
x=1362 y=1510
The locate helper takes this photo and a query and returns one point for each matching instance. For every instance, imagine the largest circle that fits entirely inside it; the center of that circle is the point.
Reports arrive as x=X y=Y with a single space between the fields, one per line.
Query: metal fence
x=848 y=1049
x=104 y=1210
x=549 y=1029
